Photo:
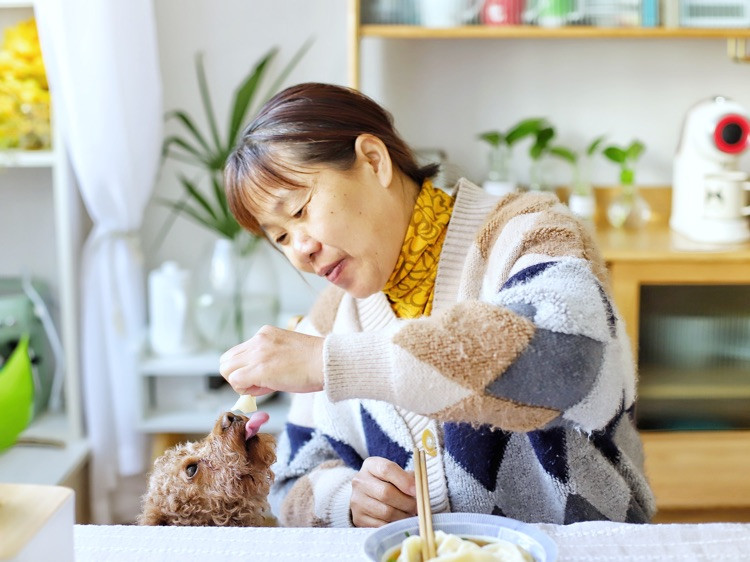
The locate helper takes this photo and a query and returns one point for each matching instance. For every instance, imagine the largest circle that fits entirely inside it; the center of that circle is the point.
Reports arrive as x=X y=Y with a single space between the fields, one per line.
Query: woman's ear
x=374 y=155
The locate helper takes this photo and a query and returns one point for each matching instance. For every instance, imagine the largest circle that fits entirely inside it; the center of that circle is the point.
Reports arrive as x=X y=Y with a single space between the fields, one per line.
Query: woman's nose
x=305 y=247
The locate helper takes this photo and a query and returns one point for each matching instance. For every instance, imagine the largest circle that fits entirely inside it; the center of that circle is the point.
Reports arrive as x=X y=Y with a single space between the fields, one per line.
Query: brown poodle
x=222 y=480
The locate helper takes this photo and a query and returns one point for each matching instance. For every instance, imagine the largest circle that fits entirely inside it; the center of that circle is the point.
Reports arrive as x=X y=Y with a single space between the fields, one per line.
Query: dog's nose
x=227 y=420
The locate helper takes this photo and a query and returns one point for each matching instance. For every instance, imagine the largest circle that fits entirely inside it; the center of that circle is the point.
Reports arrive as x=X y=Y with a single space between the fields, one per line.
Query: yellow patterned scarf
x=411 y=286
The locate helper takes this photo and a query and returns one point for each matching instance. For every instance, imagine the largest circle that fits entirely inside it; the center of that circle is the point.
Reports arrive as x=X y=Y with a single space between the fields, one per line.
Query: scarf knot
x=411 y=286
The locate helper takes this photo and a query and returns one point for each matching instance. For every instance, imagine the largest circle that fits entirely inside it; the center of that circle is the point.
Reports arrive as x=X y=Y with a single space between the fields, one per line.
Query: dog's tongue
x=252 y=426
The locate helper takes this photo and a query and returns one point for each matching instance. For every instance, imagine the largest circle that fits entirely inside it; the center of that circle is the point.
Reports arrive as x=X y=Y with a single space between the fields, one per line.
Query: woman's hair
x=305 y=125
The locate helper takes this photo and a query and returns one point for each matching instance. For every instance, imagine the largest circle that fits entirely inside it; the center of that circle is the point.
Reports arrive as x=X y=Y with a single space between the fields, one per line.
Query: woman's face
x=346 y=226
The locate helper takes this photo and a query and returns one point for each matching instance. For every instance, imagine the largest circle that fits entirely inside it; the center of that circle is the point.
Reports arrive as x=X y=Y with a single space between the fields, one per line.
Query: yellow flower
x=24 y=93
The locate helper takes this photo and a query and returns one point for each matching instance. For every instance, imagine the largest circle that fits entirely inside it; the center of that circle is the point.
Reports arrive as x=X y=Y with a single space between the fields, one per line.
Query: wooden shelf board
x=693 y=384
x=698 y=469
x=536 y=32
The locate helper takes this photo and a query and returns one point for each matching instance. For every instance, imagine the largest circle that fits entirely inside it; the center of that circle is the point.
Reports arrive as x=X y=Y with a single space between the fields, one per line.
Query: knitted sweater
x=523 y=374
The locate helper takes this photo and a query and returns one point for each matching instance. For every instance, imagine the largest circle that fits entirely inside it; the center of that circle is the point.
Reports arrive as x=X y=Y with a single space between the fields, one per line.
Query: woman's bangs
x=265 y=182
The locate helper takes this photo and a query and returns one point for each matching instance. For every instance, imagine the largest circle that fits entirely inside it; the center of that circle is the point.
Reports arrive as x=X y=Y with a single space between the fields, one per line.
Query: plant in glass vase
x=629 y=209
x=581 y=199
x=538 y=180
x=234 y=286
x=500 y=178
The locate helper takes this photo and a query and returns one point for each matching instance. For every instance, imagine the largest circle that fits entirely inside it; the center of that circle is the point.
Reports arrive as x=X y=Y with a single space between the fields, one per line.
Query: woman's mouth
x=334 y=272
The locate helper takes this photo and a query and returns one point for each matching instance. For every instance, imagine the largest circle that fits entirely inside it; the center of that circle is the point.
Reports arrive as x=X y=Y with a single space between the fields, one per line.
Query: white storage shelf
x=46 y=454
x=27 y=159
x=175 y=397
x=53 y=448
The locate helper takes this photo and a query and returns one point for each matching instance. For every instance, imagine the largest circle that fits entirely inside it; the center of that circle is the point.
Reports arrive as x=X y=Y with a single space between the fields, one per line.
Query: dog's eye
x=191 y=469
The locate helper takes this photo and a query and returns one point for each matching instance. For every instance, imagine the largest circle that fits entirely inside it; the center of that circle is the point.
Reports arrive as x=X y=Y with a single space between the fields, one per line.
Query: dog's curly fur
x=222 y=480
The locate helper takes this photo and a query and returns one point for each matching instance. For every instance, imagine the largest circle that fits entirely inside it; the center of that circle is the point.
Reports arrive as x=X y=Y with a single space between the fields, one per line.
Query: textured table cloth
x=595 y=542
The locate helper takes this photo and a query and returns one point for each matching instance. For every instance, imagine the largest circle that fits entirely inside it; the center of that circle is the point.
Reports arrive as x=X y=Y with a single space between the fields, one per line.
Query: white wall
x=234 y=35
x=442 y=93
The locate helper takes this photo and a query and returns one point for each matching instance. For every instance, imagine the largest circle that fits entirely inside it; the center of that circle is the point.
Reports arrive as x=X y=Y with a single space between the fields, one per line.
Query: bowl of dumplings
x=462 y=537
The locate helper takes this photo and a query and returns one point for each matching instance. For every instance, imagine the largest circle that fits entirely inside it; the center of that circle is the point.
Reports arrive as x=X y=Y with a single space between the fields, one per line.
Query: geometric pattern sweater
x=523 y=374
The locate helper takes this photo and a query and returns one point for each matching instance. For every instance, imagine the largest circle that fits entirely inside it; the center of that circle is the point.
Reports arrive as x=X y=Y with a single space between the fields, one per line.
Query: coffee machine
x=714 y=137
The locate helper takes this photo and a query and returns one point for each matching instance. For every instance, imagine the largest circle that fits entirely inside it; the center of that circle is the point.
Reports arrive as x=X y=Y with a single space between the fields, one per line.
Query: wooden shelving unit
x=696 y=475
x=736 y=38
x=535 y=32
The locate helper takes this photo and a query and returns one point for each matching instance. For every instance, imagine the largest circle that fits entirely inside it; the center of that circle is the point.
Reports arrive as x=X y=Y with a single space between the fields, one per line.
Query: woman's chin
x=359 y=292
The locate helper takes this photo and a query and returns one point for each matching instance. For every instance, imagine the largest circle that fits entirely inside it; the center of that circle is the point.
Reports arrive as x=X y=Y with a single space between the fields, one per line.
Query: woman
x=477 y=328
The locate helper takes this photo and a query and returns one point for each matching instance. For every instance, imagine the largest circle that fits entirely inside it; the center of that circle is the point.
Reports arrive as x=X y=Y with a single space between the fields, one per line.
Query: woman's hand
x=274 y=359
x=382 y=492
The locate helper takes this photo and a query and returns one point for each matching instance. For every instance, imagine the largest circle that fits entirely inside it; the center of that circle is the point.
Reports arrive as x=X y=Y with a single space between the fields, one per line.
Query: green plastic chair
x=16 y=394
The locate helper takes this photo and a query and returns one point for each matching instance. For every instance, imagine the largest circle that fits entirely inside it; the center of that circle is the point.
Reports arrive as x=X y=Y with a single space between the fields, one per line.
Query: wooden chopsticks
x=424 y=511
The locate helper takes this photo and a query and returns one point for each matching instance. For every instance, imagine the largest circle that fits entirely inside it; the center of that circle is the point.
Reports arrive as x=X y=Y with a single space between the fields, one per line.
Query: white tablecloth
x=592 y=542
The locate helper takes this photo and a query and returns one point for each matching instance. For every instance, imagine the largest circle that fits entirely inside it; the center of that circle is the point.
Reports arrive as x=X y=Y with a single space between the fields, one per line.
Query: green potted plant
x=628 y=209
x=500 y=177
x=540 y=148
x=581 y=199
x=234 y=286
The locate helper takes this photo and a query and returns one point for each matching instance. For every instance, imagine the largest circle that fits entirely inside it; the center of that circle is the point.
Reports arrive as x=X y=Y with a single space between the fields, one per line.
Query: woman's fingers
x=274 y=359
x=375 y=514
x=381 y=492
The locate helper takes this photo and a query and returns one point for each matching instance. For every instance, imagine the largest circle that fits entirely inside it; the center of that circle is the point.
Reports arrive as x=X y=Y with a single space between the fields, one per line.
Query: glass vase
x=499 y=176
x=539 y=176
x=629 y=209
x=581 y=201
x=235 y=291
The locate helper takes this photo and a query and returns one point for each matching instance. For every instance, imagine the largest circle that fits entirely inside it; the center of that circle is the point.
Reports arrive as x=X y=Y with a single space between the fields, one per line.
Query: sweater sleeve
x=539 y=344
x=312 y=486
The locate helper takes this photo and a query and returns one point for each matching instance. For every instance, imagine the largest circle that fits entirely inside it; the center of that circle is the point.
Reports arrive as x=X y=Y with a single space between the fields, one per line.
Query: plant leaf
x=564 y=153
x=184 y=145
x=627 y=176
x=284 y=74
x=206 y=100
x=188 y=123
x=243 y=97
x=184 y=207
x=195 y=193
x=182 y=158
x=593 y=147
x=615 y=153
x=493 y=138
x=524 y=129
x=635 y=150
x=543 y=136
x=221 y=196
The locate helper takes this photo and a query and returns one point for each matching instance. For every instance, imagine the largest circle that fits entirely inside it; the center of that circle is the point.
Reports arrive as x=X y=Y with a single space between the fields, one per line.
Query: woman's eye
x=191 y=469
x=298 y=214
x=280 y=239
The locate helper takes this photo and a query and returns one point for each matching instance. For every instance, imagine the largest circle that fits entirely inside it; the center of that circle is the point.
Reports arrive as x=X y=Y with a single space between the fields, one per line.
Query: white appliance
x=714 y=137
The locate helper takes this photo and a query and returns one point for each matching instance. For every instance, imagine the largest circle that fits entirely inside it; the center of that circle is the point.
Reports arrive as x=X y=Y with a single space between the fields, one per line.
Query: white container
x=168 y=307
x=582 y=206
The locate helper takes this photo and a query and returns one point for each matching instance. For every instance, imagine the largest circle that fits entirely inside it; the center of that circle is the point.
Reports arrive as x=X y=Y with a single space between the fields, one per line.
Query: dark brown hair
x=307 y=124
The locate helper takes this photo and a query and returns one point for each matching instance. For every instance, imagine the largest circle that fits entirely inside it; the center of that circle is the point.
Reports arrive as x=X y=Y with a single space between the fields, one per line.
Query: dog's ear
x=152 y=516
x=267 y=451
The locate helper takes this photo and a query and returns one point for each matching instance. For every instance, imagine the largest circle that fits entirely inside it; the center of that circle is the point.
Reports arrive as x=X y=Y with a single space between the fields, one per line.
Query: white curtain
x=102 y=64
